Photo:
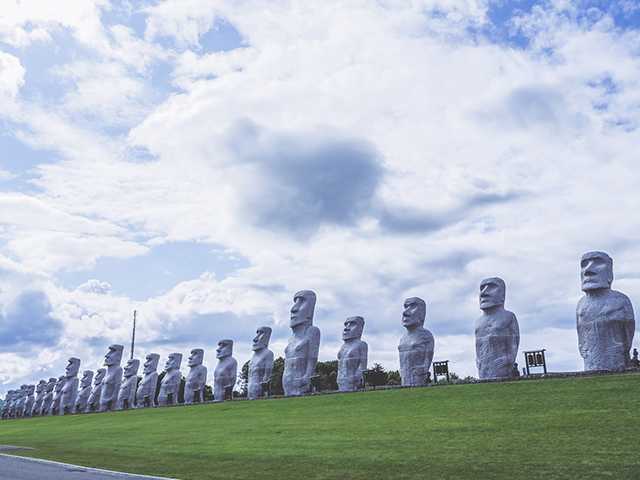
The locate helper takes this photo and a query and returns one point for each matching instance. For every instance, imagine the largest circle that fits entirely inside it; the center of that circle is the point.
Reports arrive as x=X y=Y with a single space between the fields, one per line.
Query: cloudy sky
x=202 y=160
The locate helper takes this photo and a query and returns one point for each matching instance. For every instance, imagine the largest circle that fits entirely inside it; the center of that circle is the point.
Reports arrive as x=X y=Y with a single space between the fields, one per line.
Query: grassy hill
x=582 y=428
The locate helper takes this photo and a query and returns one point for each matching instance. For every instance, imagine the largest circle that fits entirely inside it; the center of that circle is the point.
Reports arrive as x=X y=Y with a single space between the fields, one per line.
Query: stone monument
x=604 y=317
x=8 y=401
x=196 y=378
x=40 y=393
x=19 y=404
x=82 y=399
x=416 y=345
x=260 y=365
x=127 y=393
x=70 y=389
x=226 y=371
x=147 y=387
x=352 y=356
x=30 y=400
x=113 y=380
x=57 y=396
x=93 y=404
x=497 y=333
x=301 y=353
x=171 y=382
x=48 y=396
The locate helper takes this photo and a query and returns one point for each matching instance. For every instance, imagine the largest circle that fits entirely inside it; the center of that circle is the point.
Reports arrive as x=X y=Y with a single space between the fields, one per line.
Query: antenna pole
x=133 y=337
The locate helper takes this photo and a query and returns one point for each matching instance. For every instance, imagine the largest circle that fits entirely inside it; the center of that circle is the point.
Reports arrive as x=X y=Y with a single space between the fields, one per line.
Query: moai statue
x=70 y=389
x=352 y=356
x=8 y=401
x=40 y=393
x=226 y=371
x=260 y=365
x=19 y=404
x=82 y=399
x=127 y=394
x=196 y=378
x=497 y=333
x=604 y=317
x=301 y=353
x=416 y=345
x=93 y=404
x=147 y=388
x=113 y=379
x=171 y=382
x=48 y=396
x=30 y=400
x=57 y=396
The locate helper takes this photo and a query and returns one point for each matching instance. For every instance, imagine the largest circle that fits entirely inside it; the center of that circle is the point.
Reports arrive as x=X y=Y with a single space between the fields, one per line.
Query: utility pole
x=133 y=337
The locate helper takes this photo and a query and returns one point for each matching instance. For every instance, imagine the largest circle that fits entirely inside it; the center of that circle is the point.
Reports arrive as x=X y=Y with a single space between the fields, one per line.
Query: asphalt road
x=19 y=468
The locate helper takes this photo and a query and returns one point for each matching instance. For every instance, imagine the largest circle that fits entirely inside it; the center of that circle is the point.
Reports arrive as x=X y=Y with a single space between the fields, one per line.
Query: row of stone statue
x=604 y=320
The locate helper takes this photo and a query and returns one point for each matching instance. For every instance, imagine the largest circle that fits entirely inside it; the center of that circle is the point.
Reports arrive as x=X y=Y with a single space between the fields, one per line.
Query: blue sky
x=201 y=161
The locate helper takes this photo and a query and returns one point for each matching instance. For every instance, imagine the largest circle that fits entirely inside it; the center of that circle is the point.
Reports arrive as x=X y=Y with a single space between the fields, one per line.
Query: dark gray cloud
x=28 y=320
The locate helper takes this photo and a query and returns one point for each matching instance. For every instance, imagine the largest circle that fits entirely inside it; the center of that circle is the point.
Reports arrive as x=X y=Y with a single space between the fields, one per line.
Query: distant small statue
x=226 y=371
x=82 y=399
x=70 y=389
x=416 y=345
x=171 y=382
x=40 y=393
x=260 y=365
x=634 y=361
x=29 y=401
x=8 y=403
x=57 y=395
x=113 y=380
x=48 y=396
x=94 y=398
x=301 y=353
x=352 y=356
x=497 y=332
x=127 y=393
x=604 y=317
x=21 y=398
x=148 y=385
x=196 y=378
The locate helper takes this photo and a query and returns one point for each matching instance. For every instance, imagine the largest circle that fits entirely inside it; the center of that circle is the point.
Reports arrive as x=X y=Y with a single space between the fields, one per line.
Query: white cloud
x=11 y=74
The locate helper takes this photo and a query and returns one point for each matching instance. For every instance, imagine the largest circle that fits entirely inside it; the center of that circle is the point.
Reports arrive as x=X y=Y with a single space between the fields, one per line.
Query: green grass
x=582 y=428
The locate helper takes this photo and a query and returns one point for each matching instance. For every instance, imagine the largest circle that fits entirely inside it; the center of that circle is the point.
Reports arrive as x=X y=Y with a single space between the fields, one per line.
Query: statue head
x=261 y=340
x=87 y=378
x=353 y=327
x=42 y=385
x=174 y=361
x=51 y=384
x=113 y=356
x=225 y=348
x=415 y=310
x=30 y=389
x=9 y=396
x=60 y=383
x=23 y=390
x=596 y=271
x=72 y=367
x=151 y=363
x=100 y=373
x=304 y=302
x=492 y=292
x=131 y=368
x=196 y=357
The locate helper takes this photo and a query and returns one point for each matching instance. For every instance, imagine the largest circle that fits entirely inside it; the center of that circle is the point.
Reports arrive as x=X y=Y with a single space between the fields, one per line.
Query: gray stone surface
x=70 y=389
x=497 y=333
x=29 y=401
x=416 y=345
x=93 y=405
x=48 y=396
x=260 y=364
x=57 y=396
x=127 y=393
x=196 y=378
x=149 y=382
x=171 y=382
x=40 y=392
x=301 y=353
x=8 y=404
x=226 y=371
x=352 y=356
x=604 y=317
x=19 y=402
x=113 y=379
x=82 y=399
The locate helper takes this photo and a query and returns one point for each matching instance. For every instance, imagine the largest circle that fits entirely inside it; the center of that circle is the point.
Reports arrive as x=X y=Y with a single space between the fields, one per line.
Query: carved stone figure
x=497 y=333
x=147 y=387
x=8 y=402
x=93 y=405
x=29 y=401
x=127 y=393
x=226 y=371
x=353 y=355
x=416 y=345
x=301 y=353
x=57 y=396
x=113 y=380
x=260 y=365
x=196 y=378
x=82 y=399
x=19 y=402
x=604 y=317
x=70 y=389
x=48 y=396
x=171 y=382
x=40 y=393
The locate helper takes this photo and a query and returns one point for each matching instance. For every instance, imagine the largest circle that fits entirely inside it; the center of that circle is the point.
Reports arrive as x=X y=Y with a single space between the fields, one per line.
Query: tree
x=394 y=378
x=275 y=382
x=243 y=381
x=328 y=372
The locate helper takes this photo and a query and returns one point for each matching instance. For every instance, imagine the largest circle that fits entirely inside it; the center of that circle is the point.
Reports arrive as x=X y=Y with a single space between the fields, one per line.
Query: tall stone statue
x=147 y=387
x=82 y=399
x=70 y=389
x=604 y=317
x=40 y=393
x=301 y=354
x=497 y=333
x=113 y=379
x=94 y=398
x=22 y=395
x=226 y=371
x=353 y=355
x=30 y=400
x=171 y=382
x=57 y=396
x=8 y=402
x=260 y=365
x=416 y=345
x=127 y=393
x=48 y=396
x=196 y=378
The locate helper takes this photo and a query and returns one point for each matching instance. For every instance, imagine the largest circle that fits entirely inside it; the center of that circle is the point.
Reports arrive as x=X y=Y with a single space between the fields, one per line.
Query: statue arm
x=314 y=349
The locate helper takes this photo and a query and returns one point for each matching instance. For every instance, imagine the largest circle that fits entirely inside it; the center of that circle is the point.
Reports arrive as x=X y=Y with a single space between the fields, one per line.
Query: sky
x=200 y=161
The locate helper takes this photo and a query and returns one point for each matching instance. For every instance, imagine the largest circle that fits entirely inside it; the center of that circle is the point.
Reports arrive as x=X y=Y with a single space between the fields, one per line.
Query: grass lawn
x=582 y=428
